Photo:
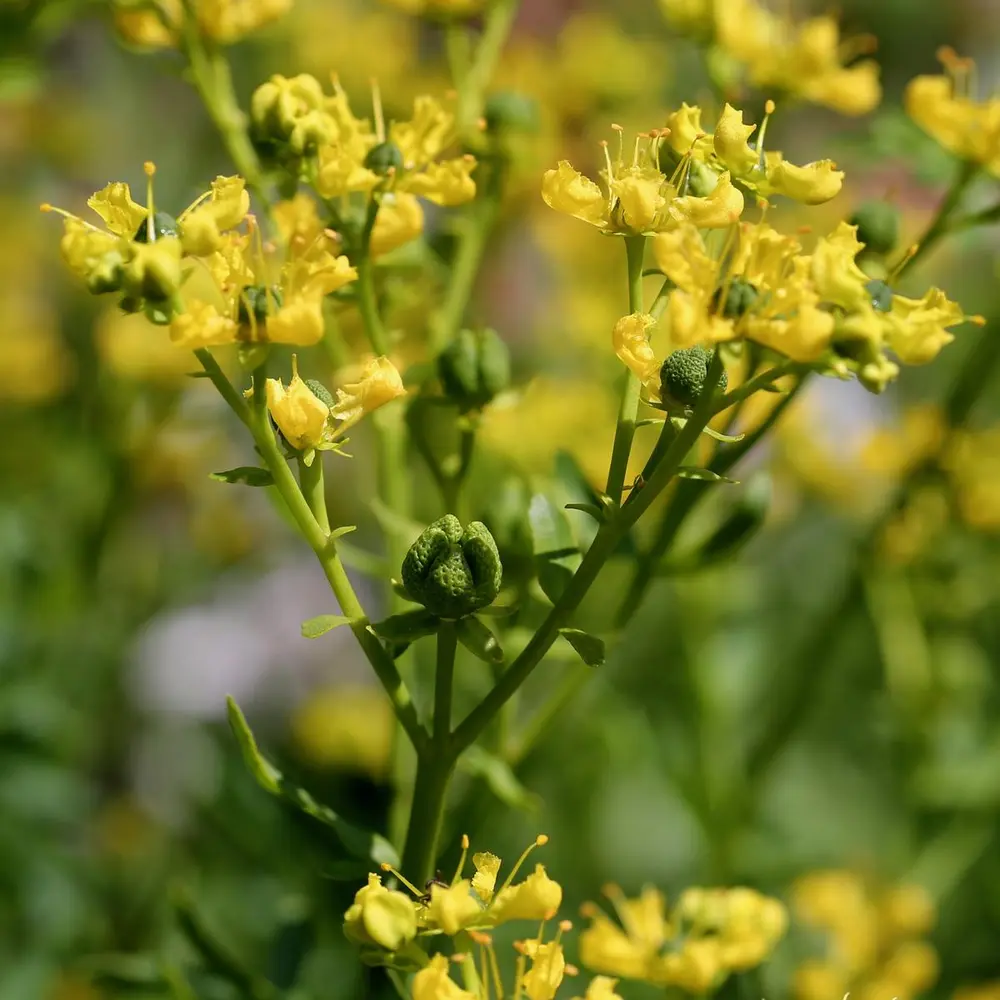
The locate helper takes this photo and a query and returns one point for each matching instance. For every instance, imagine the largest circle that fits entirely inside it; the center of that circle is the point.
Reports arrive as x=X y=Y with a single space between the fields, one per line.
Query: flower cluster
x=161 y=23
x=310 y=419
x=349 y=160
x=876 y=938
x=945 y=107
x=243 y=296
x=815 y=308
x=699 y=186
x=808 y=61
x=709 y=934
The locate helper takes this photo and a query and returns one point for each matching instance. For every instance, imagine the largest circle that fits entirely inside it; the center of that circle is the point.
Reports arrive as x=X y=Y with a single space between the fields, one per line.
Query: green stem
x=444 y=676
x=430 y=793
x=466 y=263
x=499 y=20
x=635 y=248
x=686 y=495
x=213 y=80
x=325 y=549
x=314 y=490
x=367 y=298
x=967 y=172
x=604 y=544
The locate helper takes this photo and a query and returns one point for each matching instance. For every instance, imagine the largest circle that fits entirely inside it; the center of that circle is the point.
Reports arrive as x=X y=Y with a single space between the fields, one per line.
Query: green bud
x=881 y=294
x=451 y=571
x=321 y=392
x=683 y=375
x=702 y=180
x=740 y=297
x=474 y=368
x=258 y=301
x=164 y=224
x=509 y=111
x=878 y=226
x=383 y=158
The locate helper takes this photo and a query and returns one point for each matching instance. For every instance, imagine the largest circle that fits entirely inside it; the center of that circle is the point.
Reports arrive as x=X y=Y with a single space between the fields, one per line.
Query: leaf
x=705 y=475
x=344 y=530
x=590 y=648
x=550 y=531
x=553 y=578
x=479 y=640
x=725 y=438
x=597 y=513
x=406 y=626
x=499 y=778
x=361 y=843
x=313 y=628
x=245 y=475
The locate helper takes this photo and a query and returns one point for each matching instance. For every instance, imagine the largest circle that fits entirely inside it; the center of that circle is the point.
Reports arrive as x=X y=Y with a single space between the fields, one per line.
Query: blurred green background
x=828 y=699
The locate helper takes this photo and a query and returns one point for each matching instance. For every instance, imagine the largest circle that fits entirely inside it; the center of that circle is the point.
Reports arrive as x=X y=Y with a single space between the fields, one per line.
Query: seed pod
x=509 y=111
x=384 y=158
x=683 y=375
x=451 y=571
x=740 y=297
x=474 y=368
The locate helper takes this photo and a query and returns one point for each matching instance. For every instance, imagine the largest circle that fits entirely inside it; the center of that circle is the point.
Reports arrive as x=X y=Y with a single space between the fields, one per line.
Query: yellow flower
x=633 y=949
x=153 y=270
x=202 y=225
x=944 y=108
x=153 y=26
x=811 y=184
x=917 y=328
x=353 y=159
x=381 y=917
x=131 y=348
x=433 y=983
x=453 y=908
x=300 y=415
x=568 y=191
x=400 y=219
x=536 y=898
x=227 y=21
x=115 y=206
x=548 y=966
x=380 y=383
x=804 y=60
x=631 y=343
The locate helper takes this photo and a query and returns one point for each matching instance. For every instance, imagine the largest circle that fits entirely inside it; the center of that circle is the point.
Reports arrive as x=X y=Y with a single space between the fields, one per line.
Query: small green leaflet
x=245 y=475
x=590 y=648
x=312 y=628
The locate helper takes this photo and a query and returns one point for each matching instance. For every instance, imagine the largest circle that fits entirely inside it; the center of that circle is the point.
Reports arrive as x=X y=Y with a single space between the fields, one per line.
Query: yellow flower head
x=945 y=108
x=548 y=966
x=452 y=908
x=202 y=225
x=380 y=383
x=253 y=306
x=381 y=917
x=805 y=61
x=160 y=23
x=640 y=198
x=299 y=413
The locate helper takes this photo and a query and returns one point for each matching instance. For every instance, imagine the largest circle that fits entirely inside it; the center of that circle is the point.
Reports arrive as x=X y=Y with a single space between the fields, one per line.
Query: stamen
x=377 y=111
x=977 y=320
x=461 y=861
x=484 y=978
x=46 y=207
x=635 y=150
x=519 y=976
x=386 y=867
x=621 y=139
x=901 y=263
x=150 y=169
x=540 y=841
x=571 y=970
x=495 y=970
x=202 y=197
x=295 y=366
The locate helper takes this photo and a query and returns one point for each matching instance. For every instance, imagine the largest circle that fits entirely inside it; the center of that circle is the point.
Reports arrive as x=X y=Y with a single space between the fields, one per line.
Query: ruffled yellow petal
x=812 y=184
x=485 y=880
x=433 y=983
x=379 y=384
x=631 y=343
x=400 y=219
x=639 y=191
x=536 y=898
x=721 y=208
x=446 y=183
x=298 y=321
x=567 y=190
x=115 y=206
x=730 y=142
x=548 y=966
x=454 y=907
x=298 y=412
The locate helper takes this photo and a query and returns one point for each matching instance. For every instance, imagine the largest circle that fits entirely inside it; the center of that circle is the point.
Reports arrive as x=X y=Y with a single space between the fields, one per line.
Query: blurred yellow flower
x=133 y=348
x=345 y=728
x=945 y=108
x=875 y=950
x=438 y=8
x=548 y=966
x=711 y=933
x=381 y=917
x=159 y=23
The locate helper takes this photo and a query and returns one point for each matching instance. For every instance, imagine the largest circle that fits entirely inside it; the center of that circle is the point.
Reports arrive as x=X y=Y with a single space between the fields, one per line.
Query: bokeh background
x=830 y=699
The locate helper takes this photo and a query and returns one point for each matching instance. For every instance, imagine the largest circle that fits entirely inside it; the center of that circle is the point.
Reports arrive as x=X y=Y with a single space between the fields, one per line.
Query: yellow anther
x=769 y=107
x=149 y=167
